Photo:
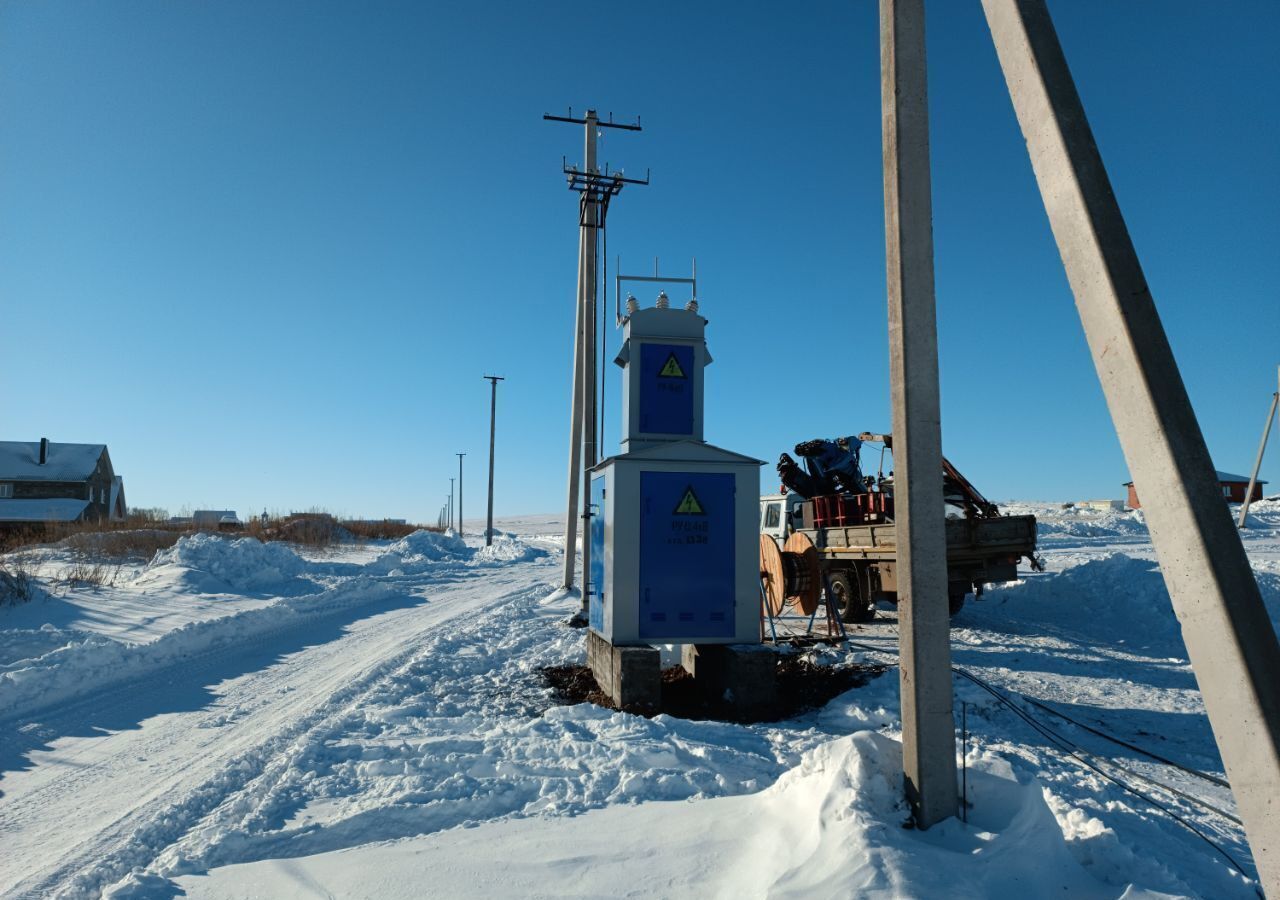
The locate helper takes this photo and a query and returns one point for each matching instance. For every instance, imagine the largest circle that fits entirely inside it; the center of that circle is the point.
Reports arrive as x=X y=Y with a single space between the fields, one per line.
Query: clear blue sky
x=266 y=250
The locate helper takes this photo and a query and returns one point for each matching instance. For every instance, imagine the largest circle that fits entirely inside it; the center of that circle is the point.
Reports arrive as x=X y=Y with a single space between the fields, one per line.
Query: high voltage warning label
x=689 y=505
x=671 y=368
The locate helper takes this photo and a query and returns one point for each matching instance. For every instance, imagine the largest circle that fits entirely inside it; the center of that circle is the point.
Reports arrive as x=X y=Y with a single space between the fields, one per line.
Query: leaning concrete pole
x=575 y=436
x=1230 y=641
x=928 y=728
x=1257 y=463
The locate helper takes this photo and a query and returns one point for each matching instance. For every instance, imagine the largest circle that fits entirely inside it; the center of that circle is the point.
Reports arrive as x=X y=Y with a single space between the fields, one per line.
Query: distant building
x=1233 y=488
x=1103 y=505
x=215 y=518
x=42 y=481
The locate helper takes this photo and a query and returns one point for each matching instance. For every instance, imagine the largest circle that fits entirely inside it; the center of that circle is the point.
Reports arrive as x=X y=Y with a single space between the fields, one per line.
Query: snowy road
x=108 y=781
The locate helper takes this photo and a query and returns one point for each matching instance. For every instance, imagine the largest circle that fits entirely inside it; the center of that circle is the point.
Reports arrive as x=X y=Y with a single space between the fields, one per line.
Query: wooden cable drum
x=791 y=575
x=805 y=575
x=773 y=574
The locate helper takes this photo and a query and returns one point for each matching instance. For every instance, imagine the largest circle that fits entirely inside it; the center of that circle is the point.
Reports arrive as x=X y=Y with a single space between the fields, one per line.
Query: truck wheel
x=849 y=600
x=955 y=597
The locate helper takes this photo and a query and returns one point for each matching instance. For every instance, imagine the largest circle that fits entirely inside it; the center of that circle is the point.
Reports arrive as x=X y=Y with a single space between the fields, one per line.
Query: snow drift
x=243 y=563
x=1116 y=596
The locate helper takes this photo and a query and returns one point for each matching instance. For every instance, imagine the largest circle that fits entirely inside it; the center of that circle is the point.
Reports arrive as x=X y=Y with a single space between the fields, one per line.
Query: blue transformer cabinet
x=674 y=542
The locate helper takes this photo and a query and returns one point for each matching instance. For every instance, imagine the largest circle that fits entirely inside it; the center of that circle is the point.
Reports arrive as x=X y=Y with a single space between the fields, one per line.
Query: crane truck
x=832 y=530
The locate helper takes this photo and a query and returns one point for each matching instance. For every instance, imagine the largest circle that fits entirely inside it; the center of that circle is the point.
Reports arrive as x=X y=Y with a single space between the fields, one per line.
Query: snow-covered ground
x=239 y=720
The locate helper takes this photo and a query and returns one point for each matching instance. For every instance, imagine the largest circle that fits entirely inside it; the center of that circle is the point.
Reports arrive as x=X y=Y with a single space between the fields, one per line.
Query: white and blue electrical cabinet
x=674 y=543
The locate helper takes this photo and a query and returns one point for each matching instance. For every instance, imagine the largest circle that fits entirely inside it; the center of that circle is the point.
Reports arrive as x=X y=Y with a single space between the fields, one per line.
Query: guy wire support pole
x=460 y=455
x=1257 y=463
x=924 y=628
x=1232 y=647
x=596 y=189
x=493 y=407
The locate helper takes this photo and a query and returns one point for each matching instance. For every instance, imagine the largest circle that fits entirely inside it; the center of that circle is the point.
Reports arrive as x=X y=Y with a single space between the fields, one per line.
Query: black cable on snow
x=1072 y=750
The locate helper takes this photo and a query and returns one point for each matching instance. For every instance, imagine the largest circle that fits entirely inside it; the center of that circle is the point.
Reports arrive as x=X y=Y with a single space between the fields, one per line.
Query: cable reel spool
x=792 y=576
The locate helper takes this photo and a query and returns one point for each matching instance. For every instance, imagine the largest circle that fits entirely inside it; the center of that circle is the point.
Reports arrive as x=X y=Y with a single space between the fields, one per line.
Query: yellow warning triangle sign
x=671 y=368
x=689 y=505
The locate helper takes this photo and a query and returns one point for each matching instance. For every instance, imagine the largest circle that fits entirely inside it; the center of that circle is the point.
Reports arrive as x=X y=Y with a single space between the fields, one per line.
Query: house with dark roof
x=43 y=482
x=1233 y=489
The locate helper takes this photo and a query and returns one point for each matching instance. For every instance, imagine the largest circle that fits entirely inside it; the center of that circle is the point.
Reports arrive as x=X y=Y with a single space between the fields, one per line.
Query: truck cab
x=780 y=515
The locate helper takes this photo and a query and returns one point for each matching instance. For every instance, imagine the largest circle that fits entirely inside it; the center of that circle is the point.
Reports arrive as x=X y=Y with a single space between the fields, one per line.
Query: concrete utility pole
x=596 y=188
x=1257 y=463
x=589 y=221
x=1230 y=641
x=493 y=408
x=460 y=455
x=575 y=437
x=583 y=366
x=924 y=627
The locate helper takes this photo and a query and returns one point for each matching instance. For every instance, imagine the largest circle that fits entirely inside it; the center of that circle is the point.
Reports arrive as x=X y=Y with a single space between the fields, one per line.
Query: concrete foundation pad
x=743 y=675
x=631 y=676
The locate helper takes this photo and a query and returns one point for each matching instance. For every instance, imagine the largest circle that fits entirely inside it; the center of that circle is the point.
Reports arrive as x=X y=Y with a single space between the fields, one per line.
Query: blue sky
x=266 y=251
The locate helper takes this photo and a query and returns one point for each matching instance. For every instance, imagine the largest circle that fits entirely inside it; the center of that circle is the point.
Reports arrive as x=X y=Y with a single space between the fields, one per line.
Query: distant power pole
x=451 y=503
x=493 y=407
x=460 y=455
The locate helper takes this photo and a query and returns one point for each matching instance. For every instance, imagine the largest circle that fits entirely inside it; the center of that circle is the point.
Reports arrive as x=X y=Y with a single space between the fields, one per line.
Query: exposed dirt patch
x=802 y=686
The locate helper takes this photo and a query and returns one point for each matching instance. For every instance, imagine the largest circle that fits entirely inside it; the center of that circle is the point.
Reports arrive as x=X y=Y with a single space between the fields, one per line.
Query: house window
x=6 y=491
x=1226 y=491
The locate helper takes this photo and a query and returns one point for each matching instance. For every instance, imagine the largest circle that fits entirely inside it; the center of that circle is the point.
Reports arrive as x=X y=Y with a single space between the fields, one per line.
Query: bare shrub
x=89 y=573
x=18 y=582
x=381 y=531
x=137 y=543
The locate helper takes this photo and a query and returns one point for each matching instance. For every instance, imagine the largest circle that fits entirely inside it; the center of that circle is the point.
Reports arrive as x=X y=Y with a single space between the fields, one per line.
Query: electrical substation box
x=674 y=543
x=663 y=354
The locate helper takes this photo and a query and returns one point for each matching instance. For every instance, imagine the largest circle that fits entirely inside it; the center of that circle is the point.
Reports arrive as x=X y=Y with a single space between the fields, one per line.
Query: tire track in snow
x=135 y=838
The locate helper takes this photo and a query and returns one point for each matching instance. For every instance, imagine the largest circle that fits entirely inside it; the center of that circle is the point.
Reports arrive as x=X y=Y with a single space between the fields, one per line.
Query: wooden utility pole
x=493 y=407
x=1229 y=638
x=451 y=503
x=924 y=627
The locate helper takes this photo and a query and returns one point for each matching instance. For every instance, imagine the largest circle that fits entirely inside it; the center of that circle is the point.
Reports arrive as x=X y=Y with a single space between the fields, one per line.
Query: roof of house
x=1223 y=478
x=20 y=461
x=41 y=510
x=1243 y=479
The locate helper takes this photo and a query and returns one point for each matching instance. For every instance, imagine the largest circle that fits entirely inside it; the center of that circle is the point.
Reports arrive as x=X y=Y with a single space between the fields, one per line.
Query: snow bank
x=1090 y=524
x=415 y=552
x=80 y=661
x=829 y=827
x=506 y=549
x=1262 y=514
x=1117 y=597
x=18 y=645
x=832 y=827
x=244 y=563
